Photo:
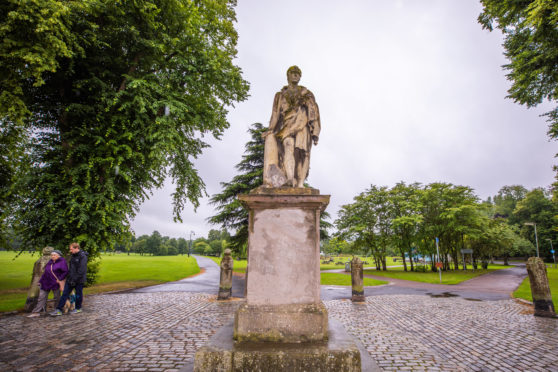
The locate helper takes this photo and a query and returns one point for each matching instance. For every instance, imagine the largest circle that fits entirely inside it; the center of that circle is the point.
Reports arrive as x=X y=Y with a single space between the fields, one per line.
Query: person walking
x=75 y=280
x=52 y=279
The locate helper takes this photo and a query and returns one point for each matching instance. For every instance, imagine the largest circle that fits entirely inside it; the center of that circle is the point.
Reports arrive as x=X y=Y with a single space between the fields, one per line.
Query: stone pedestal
x=283 y=326
x=225 y=278
x=339 y=353
x=357 y=280
x=283 y=274
x=540 y=289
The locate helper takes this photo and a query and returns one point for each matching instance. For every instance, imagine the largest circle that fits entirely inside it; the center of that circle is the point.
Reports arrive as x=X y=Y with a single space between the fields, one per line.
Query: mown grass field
x=344 y=279
x=370 y=260
x=524 y=290
x=448 y=277
x=239 y=266
x=116 y=272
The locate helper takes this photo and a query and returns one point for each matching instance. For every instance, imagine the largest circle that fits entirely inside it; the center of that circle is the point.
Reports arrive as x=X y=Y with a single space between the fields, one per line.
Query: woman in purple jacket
x=56 y=270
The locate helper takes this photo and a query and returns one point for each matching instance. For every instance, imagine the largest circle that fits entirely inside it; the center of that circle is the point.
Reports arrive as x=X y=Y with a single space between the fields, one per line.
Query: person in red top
x=55 y=272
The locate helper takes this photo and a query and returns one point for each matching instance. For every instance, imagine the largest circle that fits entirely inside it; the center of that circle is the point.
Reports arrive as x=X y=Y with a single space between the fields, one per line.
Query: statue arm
x=274 y=115
x=314 y=118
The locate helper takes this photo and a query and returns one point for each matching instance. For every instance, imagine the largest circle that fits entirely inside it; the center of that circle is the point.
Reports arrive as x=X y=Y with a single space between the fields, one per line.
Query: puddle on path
x=442 y=295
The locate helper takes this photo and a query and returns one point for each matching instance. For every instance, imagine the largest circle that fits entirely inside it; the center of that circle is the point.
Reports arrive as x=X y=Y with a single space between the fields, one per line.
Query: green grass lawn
x=239 y=266
x=448 y=277
x=344 y=279
x=370 y=260
x=116 y=272
x=326 y=278
x=524 y=290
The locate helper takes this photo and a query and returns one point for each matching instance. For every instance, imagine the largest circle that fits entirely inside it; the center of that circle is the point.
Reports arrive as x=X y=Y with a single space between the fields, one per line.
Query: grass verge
x=448 y=277
x=117 y=272
x=344 y=279
x=524 y=290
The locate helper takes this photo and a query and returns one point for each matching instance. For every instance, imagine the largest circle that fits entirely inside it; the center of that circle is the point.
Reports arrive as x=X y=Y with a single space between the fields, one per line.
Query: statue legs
x=302 y=166
x=289 y=163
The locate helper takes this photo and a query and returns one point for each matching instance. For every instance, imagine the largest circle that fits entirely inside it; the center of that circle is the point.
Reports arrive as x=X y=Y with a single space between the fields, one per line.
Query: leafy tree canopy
x=113 y=97
x=530 y=29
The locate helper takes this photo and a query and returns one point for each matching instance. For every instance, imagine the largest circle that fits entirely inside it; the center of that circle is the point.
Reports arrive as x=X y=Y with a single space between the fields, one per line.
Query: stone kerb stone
x=357 y=280
x=283 y=273
x=225 y=279
x=540 y=289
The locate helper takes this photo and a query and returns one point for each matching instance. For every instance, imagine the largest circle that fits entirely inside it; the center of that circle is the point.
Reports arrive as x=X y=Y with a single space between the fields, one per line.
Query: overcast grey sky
x=408 y=91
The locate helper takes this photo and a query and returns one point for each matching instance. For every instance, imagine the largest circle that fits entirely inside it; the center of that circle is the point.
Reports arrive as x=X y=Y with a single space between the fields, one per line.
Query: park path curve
x=494 y=286
x=497 y=285
x=205 y=282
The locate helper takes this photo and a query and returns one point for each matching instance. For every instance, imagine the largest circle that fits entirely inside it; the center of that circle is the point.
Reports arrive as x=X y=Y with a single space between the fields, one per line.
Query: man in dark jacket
x=74 y=280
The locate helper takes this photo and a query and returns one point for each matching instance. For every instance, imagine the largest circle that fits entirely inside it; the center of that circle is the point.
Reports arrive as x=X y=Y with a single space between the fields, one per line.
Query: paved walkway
x=207 y=282
x=160 y=330
x=497 y=285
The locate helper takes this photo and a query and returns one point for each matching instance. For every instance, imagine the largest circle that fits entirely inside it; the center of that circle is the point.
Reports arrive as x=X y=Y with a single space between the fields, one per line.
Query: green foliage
x=229 y=212
x=530 y=29
x=114 y=97
x=410 y=217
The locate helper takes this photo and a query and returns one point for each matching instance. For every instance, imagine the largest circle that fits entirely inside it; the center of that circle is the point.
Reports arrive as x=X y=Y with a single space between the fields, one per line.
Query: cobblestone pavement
x=162 y=331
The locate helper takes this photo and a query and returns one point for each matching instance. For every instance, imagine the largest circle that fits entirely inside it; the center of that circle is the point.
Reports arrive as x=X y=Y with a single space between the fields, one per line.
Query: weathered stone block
x=225 y=279
x=357 y=280
x=281 y=323
x=540 y=289
x=339 y=353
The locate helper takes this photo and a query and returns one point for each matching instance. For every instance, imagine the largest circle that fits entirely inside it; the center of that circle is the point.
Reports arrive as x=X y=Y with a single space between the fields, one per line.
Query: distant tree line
x=405 y=220
x=158 y=245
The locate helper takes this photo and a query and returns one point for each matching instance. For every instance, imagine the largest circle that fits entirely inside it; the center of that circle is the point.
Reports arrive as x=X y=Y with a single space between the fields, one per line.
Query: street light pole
x=190 y=245
x=536 y=238
x=552 y=251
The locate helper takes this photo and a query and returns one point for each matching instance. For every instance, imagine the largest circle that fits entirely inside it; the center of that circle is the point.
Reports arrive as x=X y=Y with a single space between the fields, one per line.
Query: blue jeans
x=66 y=294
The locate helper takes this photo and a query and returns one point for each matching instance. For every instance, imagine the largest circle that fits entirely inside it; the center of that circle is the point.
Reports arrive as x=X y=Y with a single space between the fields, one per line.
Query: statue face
x=293 y=77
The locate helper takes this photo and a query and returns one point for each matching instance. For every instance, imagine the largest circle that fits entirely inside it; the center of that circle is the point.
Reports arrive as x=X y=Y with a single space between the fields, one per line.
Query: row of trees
x=158 y=245
x=406 y=219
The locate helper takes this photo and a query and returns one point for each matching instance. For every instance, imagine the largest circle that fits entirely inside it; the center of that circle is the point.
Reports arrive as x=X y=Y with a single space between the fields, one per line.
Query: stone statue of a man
x=294 y=125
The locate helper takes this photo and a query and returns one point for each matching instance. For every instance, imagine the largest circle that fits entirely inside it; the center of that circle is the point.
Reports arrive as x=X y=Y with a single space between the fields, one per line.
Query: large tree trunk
x=404 y=261
x=411 y=259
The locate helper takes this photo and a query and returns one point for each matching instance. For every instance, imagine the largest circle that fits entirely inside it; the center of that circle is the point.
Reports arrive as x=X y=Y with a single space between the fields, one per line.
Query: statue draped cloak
x=293 y=115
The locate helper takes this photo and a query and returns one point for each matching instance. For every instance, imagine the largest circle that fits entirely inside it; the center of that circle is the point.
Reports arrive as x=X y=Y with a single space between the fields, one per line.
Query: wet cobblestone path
x=162 y=331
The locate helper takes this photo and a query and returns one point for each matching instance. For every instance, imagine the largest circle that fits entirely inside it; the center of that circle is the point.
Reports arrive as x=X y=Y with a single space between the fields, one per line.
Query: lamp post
x=552 y=251
x=536 y=239
x=190 y=245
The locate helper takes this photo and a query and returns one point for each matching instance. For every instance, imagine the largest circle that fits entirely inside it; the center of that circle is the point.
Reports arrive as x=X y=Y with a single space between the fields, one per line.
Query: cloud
x=407 y=90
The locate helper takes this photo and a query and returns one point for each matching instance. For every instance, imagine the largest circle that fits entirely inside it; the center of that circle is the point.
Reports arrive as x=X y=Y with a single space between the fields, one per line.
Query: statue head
x=227 y=252
x=293 y=74
x=47 y=251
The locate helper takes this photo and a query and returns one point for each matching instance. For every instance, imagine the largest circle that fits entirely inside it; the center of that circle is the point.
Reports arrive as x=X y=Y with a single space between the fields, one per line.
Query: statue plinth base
x=281 y=323
x=283 y=273
x=283 y=326
x=339 y=353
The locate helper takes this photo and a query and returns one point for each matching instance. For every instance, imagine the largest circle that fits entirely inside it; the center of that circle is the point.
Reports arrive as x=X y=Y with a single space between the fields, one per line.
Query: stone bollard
x=225 y=282
x=357 y=280
x=38 y=269
x=540 y=289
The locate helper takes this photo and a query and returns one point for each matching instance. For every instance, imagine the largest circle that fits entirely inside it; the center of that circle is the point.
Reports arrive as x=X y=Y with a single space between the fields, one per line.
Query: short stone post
x=357 y=280
x=540 y=289
x=225 y=282
x=38 y=270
